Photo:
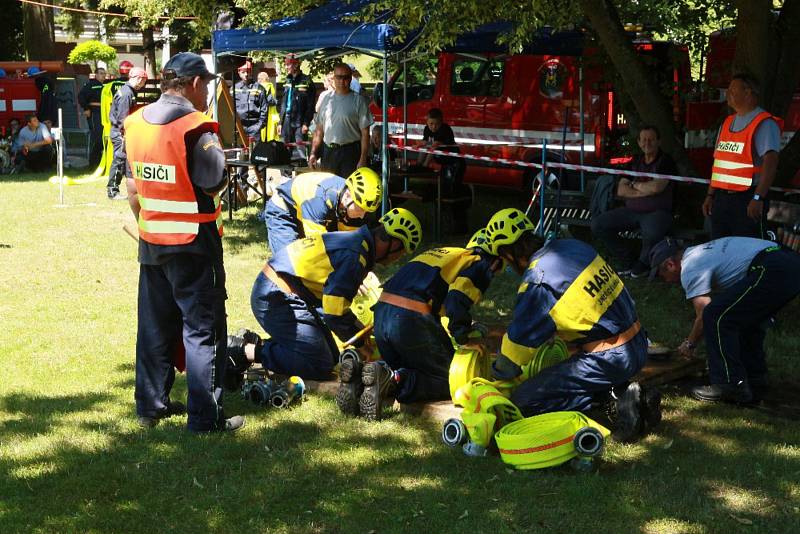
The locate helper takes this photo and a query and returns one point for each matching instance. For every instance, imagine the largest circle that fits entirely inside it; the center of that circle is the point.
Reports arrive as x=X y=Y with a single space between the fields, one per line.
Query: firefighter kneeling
x=569 y=291
x=305 y=290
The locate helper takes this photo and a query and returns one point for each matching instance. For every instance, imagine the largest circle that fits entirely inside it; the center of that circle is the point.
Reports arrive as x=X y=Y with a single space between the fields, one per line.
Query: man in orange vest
x=175 y=173
x=745 y=159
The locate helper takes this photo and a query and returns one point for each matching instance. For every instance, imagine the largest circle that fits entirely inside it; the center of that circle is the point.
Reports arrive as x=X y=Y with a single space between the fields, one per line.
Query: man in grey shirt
x=342 y=127
x=32 y=147
x=735 y=285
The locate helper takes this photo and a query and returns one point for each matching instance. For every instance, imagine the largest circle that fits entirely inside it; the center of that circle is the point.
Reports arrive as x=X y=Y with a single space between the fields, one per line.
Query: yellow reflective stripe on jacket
x=519 y=354
x=586 y=300
x=168 y=227
x=310 y=227
x=333 y=305
x=465 y=285
x=310 y=263
x=168 y=206
x=449 y=260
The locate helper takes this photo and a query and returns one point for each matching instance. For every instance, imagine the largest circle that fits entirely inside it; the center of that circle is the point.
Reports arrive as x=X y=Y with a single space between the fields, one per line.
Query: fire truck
x=511 y=106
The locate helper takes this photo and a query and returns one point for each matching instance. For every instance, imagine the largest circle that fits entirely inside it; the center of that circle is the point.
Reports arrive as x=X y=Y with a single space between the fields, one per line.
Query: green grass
x=73 y=460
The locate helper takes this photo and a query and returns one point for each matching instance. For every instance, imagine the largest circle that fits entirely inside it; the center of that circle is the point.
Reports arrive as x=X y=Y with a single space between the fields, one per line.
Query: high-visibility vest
x=170 y=213
x=106 y=97
x=733 y=156
x=270 y=131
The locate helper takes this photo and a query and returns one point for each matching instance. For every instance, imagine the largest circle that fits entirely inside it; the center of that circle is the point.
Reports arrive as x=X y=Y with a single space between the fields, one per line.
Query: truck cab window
x=475 y=77
x=421 y=82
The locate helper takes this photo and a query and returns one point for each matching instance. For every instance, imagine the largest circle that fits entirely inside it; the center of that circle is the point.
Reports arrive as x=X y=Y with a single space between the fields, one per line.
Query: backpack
x=270 y=153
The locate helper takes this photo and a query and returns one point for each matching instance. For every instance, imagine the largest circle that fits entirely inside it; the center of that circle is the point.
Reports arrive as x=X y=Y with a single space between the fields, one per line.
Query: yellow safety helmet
x=505 y=228
x=403 y=225
x=480 y=241
x=365 y=187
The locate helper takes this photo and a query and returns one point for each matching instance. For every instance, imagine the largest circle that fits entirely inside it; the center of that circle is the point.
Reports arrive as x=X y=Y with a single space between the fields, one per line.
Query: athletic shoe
x=232 y=424
x=639 y=270
x=350 y=385
x=738 y=393
x=174 y=408
x=379 y=390
x=627 y=420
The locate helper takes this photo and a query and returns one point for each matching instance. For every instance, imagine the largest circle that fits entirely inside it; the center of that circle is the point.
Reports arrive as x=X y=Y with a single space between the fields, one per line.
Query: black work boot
x=237 y=359
x=173 y=408
x=379 y=390
x=738 y=393
x=350 y=385
x=650 y=408
x=627 y=417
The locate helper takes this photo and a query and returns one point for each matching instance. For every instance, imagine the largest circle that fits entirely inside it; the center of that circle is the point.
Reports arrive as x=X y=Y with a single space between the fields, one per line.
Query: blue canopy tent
x=325 y=30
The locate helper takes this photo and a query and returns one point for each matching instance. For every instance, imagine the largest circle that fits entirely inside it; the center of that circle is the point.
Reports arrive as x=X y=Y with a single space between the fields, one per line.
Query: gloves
x=505 y=369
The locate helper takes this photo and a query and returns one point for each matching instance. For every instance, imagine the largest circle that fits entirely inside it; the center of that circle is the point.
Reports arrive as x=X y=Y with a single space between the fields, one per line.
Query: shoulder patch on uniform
x=210 y=144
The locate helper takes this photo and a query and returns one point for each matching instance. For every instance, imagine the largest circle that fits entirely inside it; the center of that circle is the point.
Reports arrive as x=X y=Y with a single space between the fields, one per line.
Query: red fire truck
x=508 y=106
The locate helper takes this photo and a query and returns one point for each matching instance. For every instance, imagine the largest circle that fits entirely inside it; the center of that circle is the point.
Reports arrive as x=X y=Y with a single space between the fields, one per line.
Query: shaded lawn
x=73 y=459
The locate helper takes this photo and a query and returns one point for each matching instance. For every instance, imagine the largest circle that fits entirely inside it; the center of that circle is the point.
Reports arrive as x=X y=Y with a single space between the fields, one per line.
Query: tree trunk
x=786 y=73
x=149 y=45
x=788 y=163
x=753 y=34
x=38 y=31
x=639 y=84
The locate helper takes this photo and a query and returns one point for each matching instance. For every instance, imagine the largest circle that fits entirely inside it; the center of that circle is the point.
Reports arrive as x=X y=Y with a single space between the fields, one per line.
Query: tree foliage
x=11 y=40
x=91 y=52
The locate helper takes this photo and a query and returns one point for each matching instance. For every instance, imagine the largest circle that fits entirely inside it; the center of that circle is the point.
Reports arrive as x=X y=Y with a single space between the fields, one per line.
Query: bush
x=91 y=52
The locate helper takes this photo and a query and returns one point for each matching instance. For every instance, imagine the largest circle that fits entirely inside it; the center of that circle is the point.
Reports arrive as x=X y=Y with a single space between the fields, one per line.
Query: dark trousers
x=252 y=129
x=653 y=225
x=117 y=170
x=729 y=216
x=294 y=134
x=38 y=160
x=733 y=322
x=182 y=301
x=342 y=160
x=419 y=344
x=572 y=385
x=282 y=228
x=95 y=138
x=299 y=344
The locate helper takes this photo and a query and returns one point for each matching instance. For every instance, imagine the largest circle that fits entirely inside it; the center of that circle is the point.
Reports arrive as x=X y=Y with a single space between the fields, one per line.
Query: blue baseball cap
x=33 y=71
x=186 y=64
x=662 y=251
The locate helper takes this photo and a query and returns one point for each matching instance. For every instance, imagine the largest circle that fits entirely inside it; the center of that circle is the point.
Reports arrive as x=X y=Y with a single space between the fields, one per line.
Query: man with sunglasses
x=319 y=202
x=341 y=138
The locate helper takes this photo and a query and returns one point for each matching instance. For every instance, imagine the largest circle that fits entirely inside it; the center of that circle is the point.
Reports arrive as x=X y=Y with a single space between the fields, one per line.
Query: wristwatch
x=757 y=197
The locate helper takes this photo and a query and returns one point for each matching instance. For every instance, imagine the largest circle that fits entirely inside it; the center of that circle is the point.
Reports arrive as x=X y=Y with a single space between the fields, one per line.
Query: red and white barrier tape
x=568 y=166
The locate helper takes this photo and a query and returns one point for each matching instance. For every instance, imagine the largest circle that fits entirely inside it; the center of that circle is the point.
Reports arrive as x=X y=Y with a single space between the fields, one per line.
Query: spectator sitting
x=648 y=206
x=32 y=147
x=439 y=135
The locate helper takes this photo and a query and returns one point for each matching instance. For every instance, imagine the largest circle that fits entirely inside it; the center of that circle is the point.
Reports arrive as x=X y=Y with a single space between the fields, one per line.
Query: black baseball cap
x=661 y=251
x=186 y=64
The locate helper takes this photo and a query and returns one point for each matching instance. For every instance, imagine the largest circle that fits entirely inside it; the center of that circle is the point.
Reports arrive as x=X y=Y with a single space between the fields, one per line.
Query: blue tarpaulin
x=324 y=28
x=320 y=28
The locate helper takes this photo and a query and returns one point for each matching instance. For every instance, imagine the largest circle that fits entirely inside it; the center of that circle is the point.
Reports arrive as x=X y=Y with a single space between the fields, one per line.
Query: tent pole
x=385 y=134
x=582 y=126
x=405 y=110
x=214 y=99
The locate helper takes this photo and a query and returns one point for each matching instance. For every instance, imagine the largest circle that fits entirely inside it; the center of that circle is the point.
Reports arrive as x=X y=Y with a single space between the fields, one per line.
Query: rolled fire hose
x=549 y=439
x=467 y=363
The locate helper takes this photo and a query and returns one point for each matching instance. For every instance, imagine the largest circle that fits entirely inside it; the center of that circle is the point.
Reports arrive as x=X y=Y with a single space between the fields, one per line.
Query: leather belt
x=405 y=303
x=613 y=342
x=340 y=145
x=276 y=279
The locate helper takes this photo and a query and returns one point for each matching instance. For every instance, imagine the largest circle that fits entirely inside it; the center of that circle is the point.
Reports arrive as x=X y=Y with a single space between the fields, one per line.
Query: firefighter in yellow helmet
x=317 y=202
x=304 y=293
x=415 y=347
x=569 y=291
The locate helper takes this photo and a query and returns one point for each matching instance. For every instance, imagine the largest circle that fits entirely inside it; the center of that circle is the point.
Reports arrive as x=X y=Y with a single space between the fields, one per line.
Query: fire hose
x=550 y=439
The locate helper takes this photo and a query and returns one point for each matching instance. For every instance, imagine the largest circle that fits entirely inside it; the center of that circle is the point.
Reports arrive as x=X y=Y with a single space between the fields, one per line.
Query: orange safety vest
x=733 y=157
x=170 y=213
